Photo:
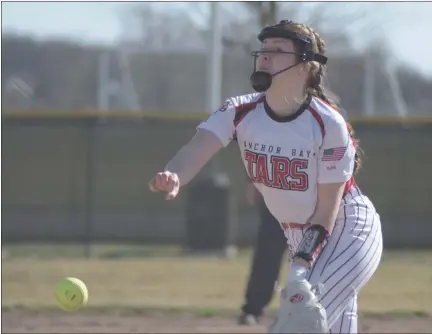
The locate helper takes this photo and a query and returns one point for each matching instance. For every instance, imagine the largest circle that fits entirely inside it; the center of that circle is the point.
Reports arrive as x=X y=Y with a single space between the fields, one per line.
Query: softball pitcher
x=302 y=156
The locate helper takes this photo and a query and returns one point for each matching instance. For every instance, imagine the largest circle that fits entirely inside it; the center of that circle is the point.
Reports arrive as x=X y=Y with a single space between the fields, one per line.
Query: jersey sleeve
x=221 y=122
x=337 y=154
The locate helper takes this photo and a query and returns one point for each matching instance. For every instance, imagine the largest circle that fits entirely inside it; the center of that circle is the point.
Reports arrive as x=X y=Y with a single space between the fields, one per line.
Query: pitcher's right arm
x=213 y=134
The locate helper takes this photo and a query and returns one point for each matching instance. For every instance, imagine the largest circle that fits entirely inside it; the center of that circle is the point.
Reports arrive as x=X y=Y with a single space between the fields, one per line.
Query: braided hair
x=315 y=81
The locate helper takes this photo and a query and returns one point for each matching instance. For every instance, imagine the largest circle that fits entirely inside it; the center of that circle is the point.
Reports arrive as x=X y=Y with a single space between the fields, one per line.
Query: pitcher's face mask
x=261 y=80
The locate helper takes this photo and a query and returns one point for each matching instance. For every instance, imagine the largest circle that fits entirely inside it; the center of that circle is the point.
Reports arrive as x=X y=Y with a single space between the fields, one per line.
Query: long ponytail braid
x=315 y=83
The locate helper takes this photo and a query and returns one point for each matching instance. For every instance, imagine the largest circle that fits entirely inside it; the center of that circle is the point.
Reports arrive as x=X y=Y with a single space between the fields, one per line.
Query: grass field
x=145 y=278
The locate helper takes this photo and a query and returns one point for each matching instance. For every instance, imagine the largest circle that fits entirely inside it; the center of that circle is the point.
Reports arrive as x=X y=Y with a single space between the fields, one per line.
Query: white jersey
x=286 y=157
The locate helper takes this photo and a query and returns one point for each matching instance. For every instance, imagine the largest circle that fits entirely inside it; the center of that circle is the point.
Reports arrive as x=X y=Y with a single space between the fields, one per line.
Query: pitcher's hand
x=166 y=182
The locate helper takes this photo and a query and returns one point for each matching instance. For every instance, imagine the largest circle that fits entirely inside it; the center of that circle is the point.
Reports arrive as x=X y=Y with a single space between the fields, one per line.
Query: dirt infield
x=24 y=322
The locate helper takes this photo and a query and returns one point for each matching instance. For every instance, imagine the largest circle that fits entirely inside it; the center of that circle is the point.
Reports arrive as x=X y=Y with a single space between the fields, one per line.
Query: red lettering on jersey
x=251 y=158
x=261 y=168
x=300 y=178
x=281 y=169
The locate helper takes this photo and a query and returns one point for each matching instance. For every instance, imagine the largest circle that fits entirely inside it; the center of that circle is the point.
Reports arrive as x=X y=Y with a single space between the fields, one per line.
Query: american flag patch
x=333 y=154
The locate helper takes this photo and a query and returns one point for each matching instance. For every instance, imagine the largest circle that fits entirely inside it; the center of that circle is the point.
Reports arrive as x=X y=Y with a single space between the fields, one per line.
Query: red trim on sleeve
x=318 y=118
x=243 y=109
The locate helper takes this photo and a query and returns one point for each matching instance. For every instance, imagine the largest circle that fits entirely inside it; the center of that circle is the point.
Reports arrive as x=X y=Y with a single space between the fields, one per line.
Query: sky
x=406 y=26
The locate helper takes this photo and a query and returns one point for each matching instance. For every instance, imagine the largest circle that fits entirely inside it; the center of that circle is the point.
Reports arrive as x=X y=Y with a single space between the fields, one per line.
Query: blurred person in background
x=302 y=156
x=267 y=257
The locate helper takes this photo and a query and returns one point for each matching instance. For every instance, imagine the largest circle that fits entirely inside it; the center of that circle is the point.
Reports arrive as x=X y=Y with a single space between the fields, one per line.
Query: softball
x=71 y=294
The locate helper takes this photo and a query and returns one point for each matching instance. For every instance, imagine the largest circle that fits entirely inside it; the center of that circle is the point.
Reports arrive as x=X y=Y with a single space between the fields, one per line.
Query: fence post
x=90 y=183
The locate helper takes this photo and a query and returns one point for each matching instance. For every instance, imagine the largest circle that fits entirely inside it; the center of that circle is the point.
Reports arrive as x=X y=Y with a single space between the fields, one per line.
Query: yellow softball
x=71 y=294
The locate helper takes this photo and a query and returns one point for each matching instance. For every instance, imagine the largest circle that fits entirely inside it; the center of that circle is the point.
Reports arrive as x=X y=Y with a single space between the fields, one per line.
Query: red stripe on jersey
x=351 y=182
x=318 y=118
x=330 y=105
x=243 y=109
x=335 y=109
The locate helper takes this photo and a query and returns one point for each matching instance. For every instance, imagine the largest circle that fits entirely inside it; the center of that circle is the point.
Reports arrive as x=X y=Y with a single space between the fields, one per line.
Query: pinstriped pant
x=348 y=261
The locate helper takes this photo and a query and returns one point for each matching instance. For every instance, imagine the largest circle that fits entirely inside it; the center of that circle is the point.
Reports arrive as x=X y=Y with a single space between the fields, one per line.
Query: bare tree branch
x=242 y=21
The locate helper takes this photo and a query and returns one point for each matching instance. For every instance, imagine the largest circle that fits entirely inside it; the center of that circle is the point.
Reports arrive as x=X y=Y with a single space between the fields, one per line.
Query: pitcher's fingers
x=165 y=177
x=160 y=182
x=171 y=182
x=173 y=193
x=152 y=186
